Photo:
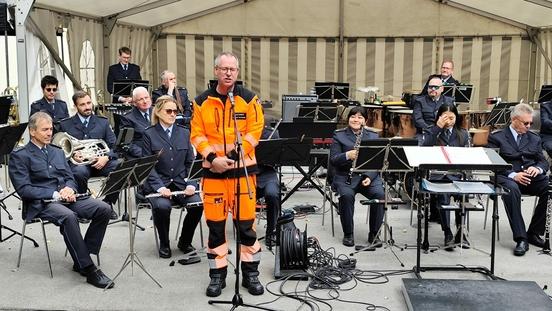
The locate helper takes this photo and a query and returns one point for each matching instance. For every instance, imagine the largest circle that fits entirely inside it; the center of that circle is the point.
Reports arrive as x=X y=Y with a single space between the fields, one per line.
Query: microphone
x=231 y=97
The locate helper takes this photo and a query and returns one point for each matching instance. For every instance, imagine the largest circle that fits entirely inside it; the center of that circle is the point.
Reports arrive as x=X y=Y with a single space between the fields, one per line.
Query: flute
x=77 y=196
x=173 y=193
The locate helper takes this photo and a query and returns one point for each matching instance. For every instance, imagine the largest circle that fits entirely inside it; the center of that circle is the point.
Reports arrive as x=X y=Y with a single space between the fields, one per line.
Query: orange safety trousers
x=218 y=199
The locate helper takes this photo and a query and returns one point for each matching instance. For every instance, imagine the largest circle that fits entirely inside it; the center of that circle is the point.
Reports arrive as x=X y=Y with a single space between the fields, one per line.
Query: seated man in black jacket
x=522 y=148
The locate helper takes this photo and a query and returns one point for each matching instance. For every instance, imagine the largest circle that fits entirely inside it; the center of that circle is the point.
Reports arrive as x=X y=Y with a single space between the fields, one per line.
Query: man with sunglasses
x=57 y=109
x=522 y=148
x=425 y=107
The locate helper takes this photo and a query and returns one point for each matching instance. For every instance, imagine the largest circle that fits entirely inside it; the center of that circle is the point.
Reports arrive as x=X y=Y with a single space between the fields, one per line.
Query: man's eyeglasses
x=528 y=123
x=226 y=69
x=434 y=87
x=51 y=89
x=171 y=111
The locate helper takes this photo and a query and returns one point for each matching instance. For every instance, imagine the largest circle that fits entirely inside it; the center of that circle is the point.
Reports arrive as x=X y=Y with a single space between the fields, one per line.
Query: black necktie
x=45 y=151
x=518 y=139
x=168 y=132
x=125 y=67
x=447 y=134
x=146 y=117
x=85 y=123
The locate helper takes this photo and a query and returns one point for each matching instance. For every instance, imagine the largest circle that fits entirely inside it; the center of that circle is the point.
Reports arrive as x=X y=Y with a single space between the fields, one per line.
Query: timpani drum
x=405 y=124
x=375 y=116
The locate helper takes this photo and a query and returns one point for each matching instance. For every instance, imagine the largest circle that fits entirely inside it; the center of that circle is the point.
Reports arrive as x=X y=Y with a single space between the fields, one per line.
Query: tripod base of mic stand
x=125 y=217
x=131 y=259
x=237 y=301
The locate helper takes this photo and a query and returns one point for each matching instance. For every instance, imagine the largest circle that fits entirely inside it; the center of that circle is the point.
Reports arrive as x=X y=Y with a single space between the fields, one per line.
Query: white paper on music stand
x=462 y=155
x=424 y=155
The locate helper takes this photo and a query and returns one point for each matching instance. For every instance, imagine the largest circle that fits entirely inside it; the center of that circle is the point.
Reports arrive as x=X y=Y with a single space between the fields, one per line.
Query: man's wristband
x=211 y=156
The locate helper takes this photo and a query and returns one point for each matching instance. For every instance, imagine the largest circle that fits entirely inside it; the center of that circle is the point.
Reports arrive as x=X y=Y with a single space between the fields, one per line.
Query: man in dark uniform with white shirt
x=139 y=118
x=123 y=70
x=180 y=94
x=40 y=172
x=56 y=108
x=85 y=125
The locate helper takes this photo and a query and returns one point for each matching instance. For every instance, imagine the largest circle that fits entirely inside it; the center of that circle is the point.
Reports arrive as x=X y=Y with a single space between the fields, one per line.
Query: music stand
x=384 y=155
x=545 y=94
x=5 y=105
x=317 y=112
x=126 y=86
x=331 y=91
x=9 y=136
x=500 y=115
x=130 y=175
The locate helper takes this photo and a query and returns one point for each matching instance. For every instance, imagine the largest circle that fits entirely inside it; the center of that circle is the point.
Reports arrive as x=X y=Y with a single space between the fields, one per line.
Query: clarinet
x=173 y=193
x=77 y=196
x=355 y=147
x=546 y=246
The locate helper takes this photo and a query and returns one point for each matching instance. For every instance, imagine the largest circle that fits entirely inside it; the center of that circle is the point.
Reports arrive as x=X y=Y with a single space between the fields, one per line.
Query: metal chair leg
x=21 y=244
x=46 y=246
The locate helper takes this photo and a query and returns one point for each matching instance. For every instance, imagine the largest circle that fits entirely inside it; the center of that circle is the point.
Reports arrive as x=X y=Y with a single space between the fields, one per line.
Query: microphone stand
x=237 y=299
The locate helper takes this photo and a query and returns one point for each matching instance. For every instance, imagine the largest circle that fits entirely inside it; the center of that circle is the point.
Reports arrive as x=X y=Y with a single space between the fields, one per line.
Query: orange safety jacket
x=213 y=127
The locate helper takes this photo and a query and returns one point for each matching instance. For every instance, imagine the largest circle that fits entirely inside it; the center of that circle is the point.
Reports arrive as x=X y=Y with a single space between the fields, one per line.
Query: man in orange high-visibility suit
x=213 y=136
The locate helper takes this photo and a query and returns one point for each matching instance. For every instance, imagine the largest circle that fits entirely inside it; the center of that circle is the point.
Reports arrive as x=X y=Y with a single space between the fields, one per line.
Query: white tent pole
x=22 y=9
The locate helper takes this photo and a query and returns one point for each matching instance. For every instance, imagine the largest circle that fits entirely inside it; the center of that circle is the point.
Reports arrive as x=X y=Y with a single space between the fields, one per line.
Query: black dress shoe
x=165 y=252
x=76 y=269
x=99 y=279
x=535 y=239
x=465 y=242
x=374 y=240
x=186 y=248
x=349 y=240
x=521 y=248
x=449 y=241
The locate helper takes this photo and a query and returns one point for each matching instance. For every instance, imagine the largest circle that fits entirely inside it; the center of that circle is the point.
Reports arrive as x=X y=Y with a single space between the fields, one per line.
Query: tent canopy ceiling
x=533 y=13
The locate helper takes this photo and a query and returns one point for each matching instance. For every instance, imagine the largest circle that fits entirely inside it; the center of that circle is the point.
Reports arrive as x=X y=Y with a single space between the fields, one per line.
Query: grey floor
x=31 y=287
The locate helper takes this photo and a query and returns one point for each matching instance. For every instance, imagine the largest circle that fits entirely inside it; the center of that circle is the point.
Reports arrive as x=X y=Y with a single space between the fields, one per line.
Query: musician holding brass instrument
x=343 y=153
x=40 y=172
x=176 y=155
x=85 y=125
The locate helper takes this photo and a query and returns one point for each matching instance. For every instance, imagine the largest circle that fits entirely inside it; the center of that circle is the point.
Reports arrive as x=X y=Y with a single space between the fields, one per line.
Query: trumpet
x=78 y=196
x=173 y=194
x=90 y=149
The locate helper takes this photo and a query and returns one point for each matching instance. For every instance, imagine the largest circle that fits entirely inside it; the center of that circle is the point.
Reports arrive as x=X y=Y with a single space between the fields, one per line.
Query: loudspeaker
x=5 y=24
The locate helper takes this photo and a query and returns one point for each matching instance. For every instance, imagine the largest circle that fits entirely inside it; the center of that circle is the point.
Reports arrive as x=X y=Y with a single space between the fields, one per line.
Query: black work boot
x=250 y=278
x=218 y=282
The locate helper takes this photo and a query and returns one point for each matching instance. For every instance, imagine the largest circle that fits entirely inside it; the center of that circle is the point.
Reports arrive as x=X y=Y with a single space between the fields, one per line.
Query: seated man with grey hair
x=139 y=118
x=169 y=87
x=522 y=148
x=43 y=179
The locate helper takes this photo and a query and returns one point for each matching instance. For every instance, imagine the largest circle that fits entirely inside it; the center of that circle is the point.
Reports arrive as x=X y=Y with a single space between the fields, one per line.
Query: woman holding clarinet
x=167 y=180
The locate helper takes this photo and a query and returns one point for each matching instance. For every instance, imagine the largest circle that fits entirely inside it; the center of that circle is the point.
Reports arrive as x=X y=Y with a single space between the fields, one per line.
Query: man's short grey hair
x=521 y=109
x=138 y=90
x=33 y=120
x=229 y=54
x=164 y=74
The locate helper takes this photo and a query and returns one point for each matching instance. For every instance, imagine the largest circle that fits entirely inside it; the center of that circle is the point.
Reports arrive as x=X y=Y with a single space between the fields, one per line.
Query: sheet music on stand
x=545 y=94
x=500 y=115
x=461 y=93
x=125 y=87
x=384 y=154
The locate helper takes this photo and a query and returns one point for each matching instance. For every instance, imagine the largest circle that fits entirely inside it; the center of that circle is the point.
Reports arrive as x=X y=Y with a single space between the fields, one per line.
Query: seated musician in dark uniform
x=342 y=155
x=176 y=155
x=139 y=118
x=86 y=125
x=56 y=108
x=268 y=186
x=546 y=127
x=180 y=94
x=522 y=148
x=39 y=171
x=448 y=132
x=425 y=107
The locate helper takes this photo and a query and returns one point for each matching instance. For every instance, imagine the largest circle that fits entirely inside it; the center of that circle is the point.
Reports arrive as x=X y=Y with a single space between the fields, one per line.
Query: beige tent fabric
x=495 y=65
x=544 y=72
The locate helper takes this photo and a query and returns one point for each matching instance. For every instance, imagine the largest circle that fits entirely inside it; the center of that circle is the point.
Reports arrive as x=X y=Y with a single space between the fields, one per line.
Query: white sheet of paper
x=462 y=155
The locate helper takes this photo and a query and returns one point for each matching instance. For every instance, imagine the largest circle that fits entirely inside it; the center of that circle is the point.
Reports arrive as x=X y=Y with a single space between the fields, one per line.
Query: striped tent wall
x=495 y=65
x=543 y=74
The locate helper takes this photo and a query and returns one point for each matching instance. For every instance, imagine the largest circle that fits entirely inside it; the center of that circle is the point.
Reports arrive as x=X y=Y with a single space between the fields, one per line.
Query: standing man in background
x=123 y=70
x=213 y=136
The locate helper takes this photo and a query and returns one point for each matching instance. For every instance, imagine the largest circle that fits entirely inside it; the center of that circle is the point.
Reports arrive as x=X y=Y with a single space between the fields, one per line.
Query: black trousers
x=161 y=211
x=271 y=193
x=65 y=216
x=512 y=203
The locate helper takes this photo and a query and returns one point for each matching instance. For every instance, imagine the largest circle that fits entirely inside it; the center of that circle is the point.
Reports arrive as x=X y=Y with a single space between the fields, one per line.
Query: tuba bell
x=90 y=149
